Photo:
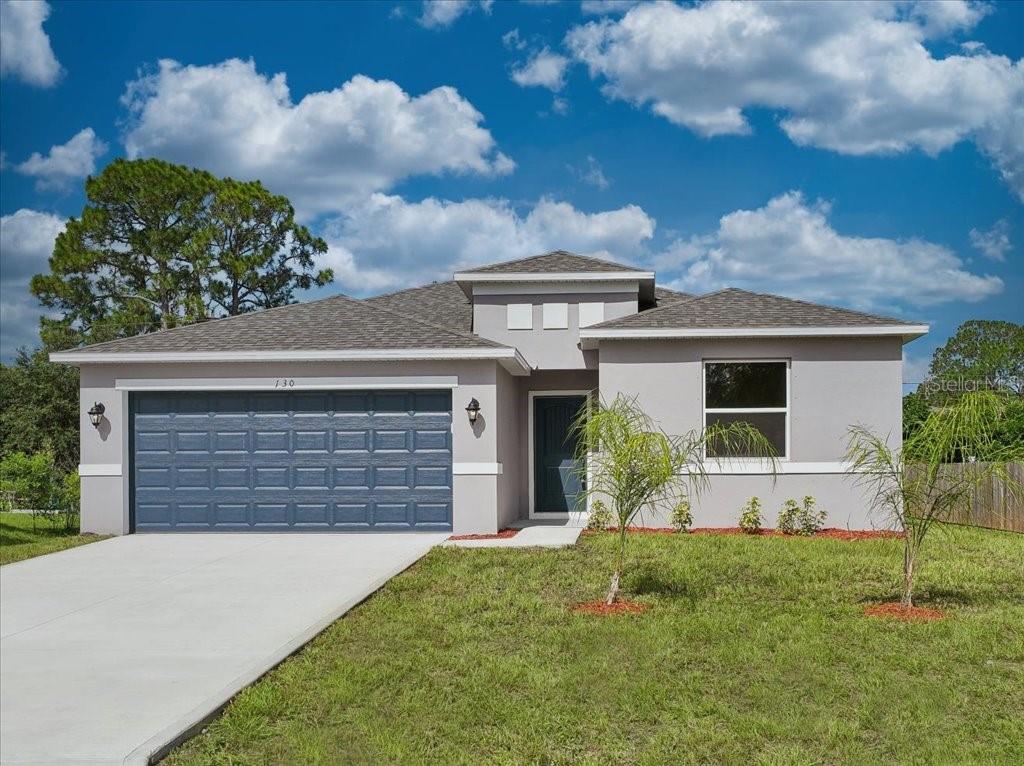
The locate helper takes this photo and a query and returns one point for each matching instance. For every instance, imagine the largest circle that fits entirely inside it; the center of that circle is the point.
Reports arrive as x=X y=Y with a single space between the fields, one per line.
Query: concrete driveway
x=111 y=651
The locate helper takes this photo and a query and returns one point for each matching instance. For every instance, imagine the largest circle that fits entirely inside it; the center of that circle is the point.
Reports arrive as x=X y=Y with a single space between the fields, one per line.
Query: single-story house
x=447 y=406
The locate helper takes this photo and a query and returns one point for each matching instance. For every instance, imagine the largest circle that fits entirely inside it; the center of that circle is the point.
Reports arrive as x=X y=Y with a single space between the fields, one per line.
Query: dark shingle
x=441 y=303
x=734 y=308
x=557 y=261
x=330 y=324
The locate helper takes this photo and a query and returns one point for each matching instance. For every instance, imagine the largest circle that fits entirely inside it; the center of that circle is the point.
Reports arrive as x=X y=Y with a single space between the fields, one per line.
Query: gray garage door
x=295 y=461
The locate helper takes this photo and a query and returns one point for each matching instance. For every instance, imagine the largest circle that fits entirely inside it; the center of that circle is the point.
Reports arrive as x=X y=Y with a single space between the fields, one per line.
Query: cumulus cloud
x=391 y=242
x=330 y=147
x=605 y=7
x=26 y=241
x=25 y=50
x=855 y=78
x=994 y=243
x=443 y=13
x=65 y=162
x=789 y=247
x=591 y=173
x=544 y=69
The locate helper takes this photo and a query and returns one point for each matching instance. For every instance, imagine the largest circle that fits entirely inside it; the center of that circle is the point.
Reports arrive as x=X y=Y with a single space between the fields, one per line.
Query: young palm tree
x=933 y=476
x=631 y=464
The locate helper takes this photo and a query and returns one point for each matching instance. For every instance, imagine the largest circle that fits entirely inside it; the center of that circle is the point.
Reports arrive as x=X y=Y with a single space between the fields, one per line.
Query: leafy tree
x=129 y=264
x=922 y=482
x=260 y=255
x=983 y=350
x=915 y=410
x=635 y=465
x=39 y=408
x=159 y=245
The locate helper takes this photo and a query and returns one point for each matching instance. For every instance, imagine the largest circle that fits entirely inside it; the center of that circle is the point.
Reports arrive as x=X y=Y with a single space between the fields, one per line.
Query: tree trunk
x=907 y=600
x=613 y=589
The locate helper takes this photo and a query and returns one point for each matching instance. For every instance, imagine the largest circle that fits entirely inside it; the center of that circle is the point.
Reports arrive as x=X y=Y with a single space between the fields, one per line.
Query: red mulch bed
x=895 y=611
x=601 y=608
x=831 y=533
x=501 y=535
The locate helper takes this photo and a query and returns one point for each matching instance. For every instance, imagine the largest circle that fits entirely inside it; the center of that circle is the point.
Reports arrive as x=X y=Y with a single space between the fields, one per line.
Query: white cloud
x=544 y=69
x=559 y=105
x=789 y=247
x=994 y=243
x=855 y=78
x=24 y=47
x=443 y=13
x=390 y=242
x=65 y=162
x=512 y=40
x=330 y=147
x=591 y=173
x=606 y=7
x=26 y=242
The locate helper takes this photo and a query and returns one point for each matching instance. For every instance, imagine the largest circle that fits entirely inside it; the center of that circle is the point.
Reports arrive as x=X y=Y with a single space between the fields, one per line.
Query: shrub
x=750 y=517
x=32 y=479
x=795 y=519
x=682 y=516
x=600 y=517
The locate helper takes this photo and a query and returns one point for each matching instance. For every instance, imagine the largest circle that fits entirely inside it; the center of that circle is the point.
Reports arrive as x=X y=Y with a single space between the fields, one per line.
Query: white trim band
x=557 y=276
x=100 y=469
x=476 y=469
x=782 y=467
x=287 y=383
x=906 y=331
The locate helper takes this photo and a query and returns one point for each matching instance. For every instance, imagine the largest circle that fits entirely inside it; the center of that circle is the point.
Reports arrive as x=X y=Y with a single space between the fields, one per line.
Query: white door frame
x=576 y=516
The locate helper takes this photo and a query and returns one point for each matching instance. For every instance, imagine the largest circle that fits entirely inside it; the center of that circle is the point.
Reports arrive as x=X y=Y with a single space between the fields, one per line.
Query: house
x=447 y=406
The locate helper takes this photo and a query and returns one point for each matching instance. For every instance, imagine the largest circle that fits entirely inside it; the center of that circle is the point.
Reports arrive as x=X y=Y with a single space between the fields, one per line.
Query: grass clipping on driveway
x=18 y=541
x=751 y=650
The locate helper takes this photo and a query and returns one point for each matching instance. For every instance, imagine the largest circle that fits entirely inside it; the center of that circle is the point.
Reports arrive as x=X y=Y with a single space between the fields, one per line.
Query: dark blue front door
x=557 y=481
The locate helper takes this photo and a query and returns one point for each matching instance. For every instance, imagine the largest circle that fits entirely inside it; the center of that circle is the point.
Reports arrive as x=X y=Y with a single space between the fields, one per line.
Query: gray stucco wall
x=547 y=349
x=104 y=451
x=834 y=383
x=509 y=447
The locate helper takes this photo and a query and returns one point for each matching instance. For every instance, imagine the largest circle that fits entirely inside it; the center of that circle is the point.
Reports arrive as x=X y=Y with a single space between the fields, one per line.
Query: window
x=591 y=313
x=751 y=392
x=556 y=316
x=520 y=316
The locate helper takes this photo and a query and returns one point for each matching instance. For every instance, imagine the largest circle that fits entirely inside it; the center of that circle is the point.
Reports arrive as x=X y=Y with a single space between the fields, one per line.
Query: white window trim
x=722 y=463
x=574 y=516
x=523 y=316
x=555 y=323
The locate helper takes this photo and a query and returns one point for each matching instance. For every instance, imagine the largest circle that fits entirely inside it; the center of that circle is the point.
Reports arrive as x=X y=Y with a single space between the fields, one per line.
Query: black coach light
x=473 y=409
x=96 y=413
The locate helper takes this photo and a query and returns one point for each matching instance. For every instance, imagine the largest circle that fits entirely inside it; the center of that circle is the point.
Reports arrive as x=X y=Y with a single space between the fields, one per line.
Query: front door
x=556 y=478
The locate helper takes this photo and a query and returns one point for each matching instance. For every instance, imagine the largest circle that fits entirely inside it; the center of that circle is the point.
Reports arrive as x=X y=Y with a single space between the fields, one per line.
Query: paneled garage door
x=291 y=461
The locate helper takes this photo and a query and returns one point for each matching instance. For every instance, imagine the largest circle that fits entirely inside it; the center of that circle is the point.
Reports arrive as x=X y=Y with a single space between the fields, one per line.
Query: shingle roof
x=557 y=261
x=663 y=295
x=329 y=324
x=441 y=303
x=735 y=308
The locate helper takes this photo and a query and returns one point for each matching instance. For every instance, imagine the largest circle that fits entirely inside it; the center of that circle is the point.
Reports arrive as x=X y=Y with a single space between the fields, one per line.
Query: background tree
x=39 y=408
x=259 y=254
x=627 y=461
x=983 y=350
x=923 y=481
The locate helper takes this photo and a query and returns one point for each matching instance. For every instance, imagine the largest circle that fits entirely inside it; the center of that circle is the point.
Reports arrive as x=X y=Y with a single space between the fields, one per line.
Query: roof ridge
x=214 y=320
x=604 y=261
x=828 y=306
x=410 y=289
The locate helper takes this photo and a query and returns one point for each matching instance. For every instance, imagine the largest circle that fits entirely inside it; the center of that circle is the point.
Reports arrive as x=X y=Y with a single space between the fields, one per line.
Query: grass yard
x=753 y=651
x=18 y=541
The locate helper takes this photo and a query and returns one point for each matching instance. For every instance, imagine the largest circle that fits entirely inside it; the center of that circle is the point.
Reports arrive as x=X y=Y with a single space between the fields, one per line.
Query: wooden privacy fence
x=993 y=505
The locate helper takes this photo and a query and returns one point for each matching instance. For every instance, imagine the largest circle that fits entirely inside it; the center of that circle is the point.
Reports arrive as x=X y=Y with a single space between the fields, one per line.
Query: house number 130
x=284 y=382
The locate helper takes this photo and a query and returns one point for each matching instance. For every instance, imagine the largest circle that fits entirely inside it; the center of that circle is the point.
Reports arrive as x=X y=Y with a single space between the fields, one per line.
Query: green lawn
x=18 y=541
x=753 y=651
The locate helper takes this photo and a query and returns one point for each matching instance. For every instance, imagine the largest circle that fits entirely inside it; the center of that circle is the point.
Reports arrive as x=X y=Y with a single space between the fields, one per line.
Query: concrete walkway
x=110 y=651
x=532 y=534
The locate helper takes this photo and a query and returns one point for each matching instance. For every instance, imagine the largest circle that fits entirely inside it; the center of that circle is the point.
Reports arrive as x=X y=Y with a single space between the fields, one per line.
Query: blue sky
x=865 y=155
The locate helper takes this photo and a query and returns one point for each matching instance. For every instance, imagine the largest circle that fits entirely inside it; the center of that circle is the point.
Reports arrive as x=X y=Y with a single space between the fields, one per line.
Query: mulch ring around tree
x=503 y=534
x=896 y=611
x=603 y=609
x=830 y=533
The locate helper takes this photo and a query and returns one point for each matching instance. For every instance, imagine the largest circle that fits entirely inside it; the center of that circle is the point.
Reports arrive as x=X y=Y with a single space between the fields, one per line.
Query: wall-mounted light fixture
x=473 y=409
x=96 y=413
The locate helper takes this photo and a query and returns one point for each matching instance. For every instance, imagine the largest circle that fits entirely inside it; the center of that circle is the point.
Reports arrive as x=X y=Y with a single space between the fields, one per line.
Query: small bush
x=750 y=518
x=682 y=516
x=32 y=479
x=795 y=519
x=600 y=517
